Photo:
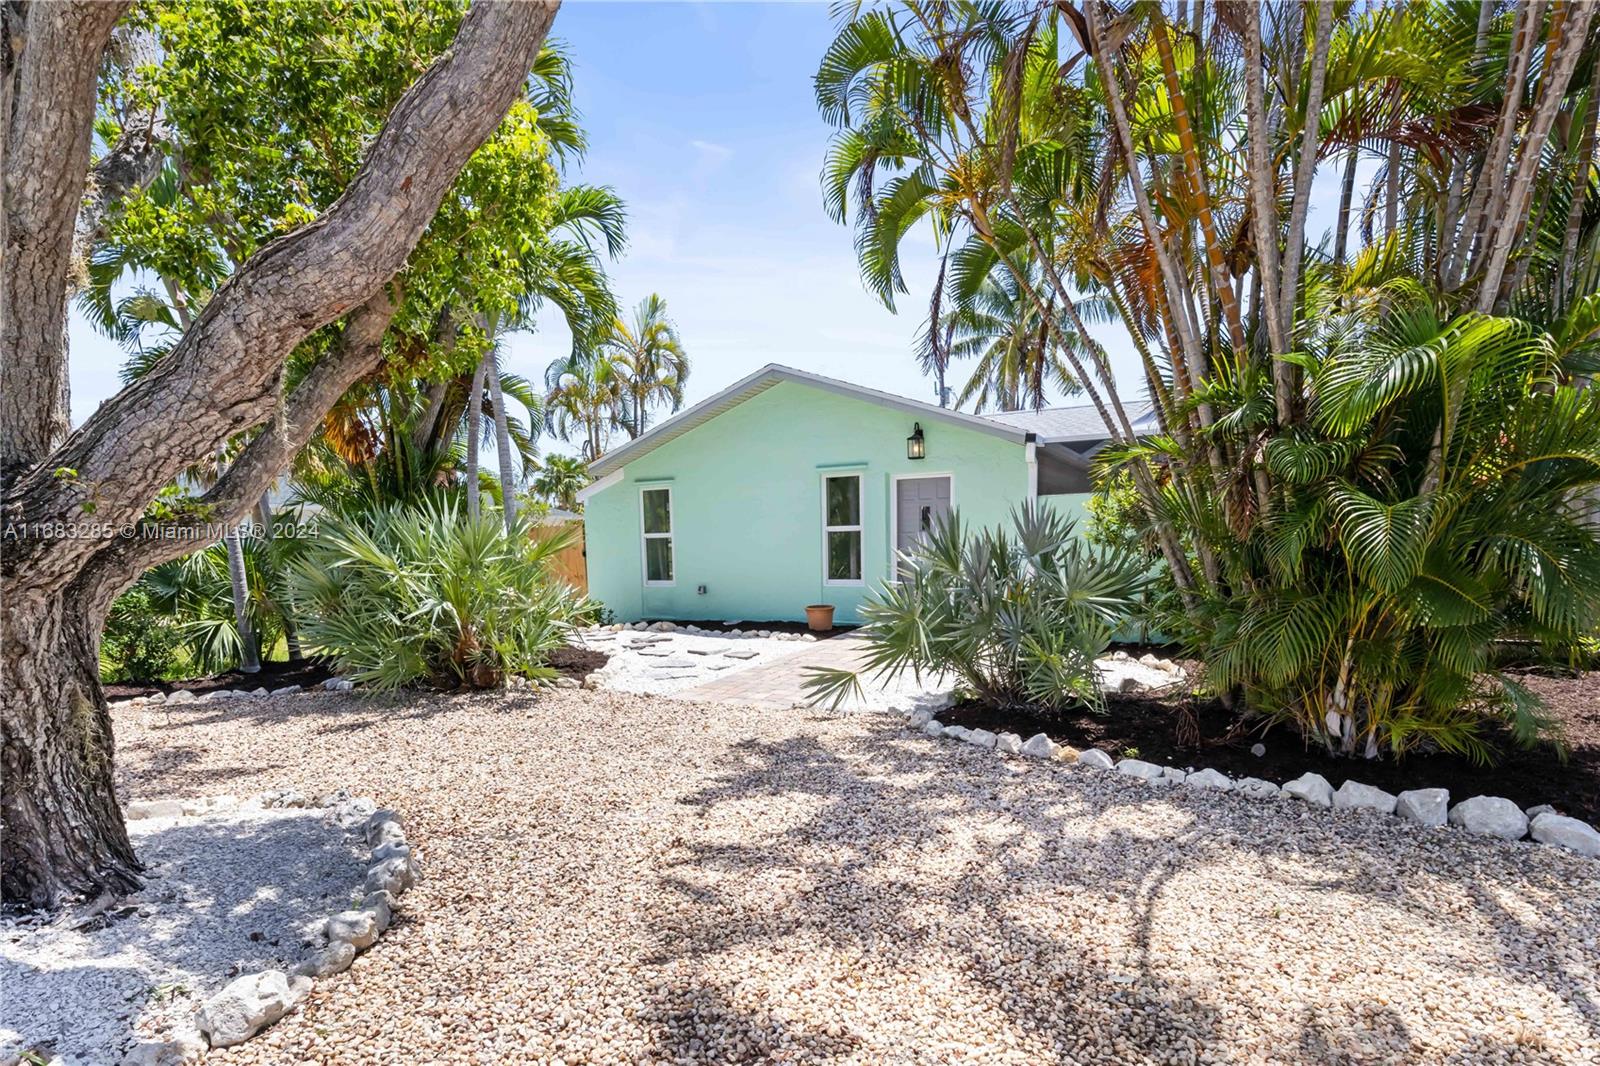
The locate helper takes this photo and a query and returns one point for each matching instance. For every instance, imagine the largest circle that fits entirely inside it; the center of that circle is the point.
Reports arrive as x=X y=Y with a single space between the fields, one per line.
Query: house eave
x=775 y=374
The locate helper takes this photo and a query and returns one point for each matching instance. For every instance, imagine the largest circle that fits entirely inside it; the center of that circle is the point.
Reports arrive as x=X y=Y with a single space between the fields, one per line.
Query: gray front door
x=919 y=503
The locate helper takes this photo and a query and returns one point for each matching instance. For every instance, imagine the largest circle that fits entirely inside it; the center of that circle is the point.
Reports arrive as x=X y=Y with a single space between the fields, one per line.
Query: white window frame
x=858 y=528
x=645 y=538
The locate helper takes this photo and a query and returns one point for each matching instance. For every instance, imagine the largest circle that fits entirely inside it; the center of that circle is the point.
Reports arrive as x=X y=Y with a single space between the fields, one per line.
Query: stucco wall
x=747 y=504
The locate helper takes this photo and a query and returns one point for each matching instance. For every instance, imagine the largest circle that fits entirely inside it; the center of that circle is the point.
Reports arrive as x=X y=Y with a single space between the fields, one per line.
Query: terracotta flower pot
x=819 y=616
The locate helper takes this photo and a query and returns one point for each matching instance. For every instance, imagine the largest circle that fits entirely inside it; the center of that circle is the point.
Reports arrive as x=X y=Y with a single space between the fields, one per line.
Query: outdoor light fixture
x=916 y=447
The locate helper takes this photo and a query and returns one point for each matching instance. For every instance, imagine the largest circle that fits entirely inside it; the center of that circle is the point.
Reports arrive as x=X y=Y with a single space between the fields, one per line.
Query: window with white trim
x=655 y=516
x=841 y=530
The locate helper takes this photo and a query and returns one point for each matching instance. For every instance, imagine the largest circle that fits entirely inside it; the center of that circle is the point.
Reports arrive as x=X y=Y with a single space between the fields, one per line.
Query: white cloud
x=711 y=154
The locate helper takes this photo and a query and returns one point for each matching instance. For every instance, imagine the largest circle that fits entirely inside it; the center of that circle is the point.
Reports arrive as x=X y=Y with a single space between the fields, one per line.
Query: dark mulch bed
x=1150 y=727
x=577 y=663
x=305 y=673
x=748 y=626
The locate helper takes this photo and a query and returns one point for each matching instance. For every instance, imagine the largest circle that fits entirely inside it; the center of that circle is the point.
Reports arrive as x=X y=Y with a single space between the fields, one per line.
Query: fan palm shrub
x=403 y=595
x=196 y=594
x=1018 y=616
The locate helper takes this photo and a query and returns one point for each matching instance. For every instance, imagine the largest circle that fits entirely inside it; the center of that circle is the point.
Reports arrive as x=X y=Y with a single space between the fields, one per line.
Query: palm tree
x=560 y=479
x=991 y=321
x=1360 y=538
x=585 y=397
x=649 y=359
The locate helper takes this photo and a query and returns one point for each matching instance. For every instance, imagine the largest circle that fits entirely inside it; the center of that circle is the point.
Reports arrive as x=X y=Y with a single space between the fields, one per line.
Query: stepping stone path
x=741 y=653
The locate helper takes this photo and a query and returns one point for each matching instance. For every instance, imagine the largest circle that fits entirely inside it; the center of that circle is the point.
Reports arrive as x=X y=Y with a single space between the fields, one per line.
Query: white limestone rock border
x=664 y=626
x=1491 y=816
x=225 y=695
x=251 y=1003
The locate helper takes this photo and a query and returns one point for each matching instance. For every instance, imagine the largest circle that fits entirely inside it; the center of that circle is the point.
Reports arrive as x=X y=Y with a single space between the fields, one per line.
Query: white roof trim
x=773 y=374
x=599 y=485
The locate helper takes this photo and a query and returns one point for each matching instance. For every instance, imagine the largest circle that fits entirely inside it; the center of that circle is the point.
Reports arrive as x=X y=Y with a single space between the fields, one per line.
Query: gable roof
x=1065 y=425
x=774 y=374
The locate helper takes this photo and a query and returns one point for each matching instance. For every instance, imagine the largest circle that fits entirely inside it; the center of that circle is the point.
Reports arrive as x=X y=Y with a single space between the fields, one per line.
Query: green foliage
x=650 y=360
x=560 y=479
x=410 y=594
x=1359 y=493
x=195 y=595
x=1421 y=527
x=1016 y=616
x=140 y=642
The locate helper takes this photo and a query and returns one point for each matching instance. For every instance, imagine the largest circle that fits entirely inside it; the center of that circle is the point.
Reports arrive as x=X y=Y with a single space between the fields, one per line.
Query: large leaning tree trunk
x=62 y=831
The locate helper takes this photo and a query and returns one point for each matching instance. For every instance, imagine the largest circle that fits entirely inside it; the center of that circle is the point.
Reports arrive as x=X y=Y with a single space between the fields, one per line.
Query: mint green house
x=788 y=489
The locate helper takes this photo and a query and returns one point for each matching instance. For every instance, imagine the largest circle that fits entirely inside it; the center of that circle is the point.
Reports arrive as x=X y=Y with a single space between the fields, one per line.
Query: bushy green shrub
x=401 y=595
x=140 y=642
x=1434 y=511
x=1018 y=616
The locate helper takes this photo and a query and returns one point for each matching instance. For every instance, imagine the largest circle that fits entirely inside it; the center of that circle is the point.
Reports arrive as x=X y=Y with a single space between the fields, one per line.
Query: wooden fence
x=570 y=563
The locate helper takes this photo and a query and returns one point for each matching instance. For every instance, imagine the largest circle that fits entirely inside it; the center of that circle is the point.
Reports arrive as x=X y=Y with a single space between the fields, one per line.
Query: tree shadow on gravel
x=221 y=898
x=1010 y=836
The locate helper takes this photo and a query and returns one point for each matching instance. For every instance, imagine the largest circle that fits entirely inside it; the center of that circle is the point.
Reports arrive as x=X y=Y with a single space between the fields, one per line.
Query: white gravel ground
x=615 y=878
x=661 y=663
x=229 y=892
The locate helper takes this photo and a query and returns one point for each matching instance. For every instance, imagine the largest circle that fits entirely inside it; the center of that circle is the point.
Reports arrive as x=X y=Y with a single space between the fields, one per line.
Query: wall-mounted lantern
x=916 y=447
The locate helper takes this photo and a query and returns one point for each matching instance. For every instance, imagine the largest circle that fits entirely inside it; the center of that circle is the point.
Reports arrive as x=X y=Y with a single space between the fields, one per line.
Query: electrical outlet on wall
x=700 y=590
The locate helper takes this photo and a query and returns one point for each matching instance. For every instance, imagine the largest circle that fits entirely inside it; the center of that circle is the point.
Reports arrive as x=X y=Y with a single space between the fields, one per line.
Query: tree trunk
x=1176 y=281
x=1347 y=188
x=502 y=444
x=422 y=432
x=474 y=431
x=1568 y=29
x=1580 y=191
x=291 y=632
x=1202 y=196
x=249 y=653
x=1263 y=190
x=1491 y=176
x=1305 y=174
x=48 y=120
x=63 y=829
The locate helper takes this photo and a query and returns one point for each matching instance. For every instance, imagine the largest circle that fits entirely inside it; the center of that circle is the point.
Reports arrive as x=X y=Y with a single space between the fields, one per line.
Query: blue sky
x=702 y=118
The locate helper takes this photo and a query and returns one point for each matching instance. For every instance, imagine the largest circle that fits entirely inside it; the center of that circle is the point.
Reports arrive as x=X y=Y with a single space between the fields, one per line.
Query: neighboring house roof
x=1064 y=425
x=773 y=374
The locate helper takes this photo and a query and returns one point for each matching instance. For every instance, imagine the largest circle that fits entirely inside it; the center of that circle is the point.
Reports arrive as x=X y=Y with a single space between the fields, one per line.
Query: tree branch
x=135 y=160
x=222 y=377
x=360 y=352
